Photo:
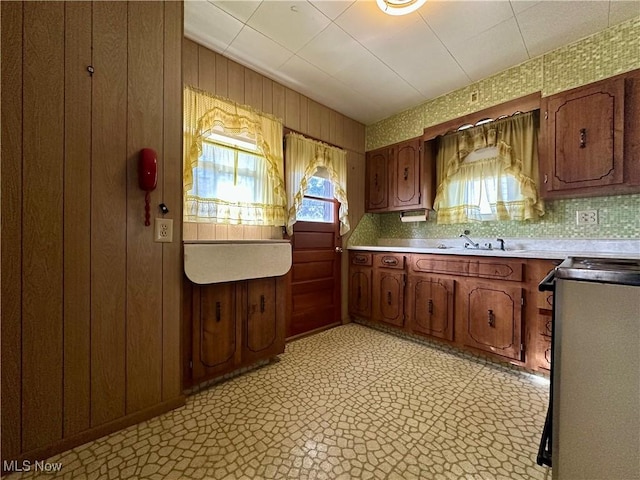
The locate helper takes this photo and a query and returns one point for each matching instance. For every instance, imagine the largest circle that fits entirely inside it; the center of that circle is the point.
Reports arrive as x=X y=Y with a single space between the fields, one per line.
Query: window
x=489 y=172
x=317 y=203
x=233 y=163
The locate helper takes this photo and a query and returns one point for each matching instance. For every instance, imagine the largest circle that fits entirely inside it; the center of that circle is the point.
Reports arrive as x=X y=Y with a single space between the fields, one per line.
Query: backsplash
x=607 y=53
x=618 y=218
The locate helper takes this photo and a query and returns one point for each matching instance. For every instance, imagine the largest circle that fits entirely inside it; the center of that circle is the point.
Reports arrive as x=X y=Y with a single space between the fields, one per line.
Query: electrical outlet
x=586 y=217
x=473 y=97
x=163 y=230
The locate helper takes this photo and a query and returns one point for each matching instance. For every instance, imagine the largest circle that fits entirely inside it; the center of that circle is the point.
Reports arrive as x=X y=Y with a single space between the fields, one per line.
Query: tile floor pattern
x=348 y=403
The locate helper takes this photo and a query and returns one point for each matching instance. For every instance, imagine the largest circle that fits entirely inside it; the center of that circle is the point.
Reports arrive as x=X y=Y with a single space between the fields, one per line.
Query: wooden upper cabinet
x=377 y=186
x=400 y=177
x=585 y=147
x=405 y=174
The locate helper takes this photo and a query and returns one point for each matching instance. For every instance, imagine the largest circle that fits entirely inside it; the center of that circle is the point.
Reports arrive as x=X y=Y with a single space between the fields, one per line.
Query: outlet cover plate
x=163 y=229
x=587 y=217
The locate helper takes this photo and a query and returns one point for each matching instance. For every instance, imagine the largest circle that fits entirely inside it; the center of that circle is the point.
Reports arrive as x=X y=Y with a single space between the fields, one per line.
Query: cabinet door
x=405 y=174
x=360 y=291
x=493 y=318
x=431 y=305
x=585 y=137
x=262 y=325
x=377 y=187
x=214 y=329
x=389 y=297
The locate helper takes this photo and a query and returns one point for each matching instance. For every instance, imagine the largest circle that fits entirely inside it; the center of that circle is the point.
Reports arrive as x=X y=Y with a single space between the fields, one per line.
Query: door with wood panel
x=315 y=277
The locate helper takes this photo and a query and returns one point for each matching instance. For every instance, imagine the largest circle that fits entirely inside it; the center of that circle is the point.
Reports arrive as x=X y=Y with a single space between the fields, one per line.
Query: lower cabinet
x=487 y=304
x=235 y=324
x=430 y=305
x=492 y=318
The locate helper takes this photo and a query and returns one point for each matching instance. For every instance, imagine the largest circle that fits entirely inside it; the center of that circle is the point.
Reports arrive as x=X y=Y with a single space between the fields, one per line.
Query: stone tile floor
x=348 y=403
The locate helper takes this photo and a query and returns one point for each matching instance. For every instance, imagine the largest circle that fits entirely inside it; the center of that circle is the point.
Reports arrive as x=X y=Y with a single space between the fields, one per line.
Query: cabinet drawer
x=361 y=258
x=436 y=264
x=501 y=269
x=544 y=300
x=389 y=260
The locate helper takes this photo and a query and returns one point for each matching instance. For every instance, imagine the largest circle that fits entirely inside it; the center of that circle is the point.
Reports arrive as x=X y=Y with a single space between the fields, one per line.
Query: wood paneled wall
x=212 y=72
x=91 y=306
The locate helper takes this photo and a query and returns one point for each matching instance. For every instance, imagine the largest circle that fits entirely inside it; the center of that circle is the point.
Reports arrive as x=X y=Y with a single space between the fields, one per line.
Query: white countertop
x=550 y=249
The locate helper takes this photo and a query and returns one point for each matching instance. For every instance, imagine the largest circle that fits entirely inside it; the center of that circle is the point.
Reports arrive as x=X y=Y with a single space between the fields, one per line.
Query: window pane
x=319 y=187
x=316 y=211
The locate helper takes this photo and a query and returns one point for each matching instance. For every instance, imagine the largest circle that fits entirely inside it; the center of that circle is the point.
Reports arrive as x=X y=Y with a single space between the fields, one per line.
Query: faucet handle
x=501 y=241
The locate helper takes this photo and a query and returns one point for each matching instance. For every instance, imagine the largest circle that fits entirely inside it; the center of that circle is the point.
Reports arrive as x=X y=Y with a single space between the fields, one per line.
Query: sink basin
x=216 y=262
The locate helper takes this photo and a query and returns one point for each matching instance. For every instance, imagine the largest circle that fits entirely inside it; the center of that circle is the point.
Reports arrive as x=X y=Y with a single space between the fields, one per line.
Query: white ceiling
x=367 y=65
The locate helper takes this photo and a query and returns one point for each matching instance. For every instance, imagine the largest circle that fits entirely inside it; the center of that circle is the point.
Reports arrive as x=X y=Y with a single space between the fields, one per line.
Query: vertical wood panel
x=253 y=89
x=190 y=52
x=11 y=218
x=325 y=119
x=77 y=219
x=315 y=129
x=304 y=114
x=172 y=272
x=144 y=256
x=108 y=211
x=278 y=100
x=235 y=76
x=267 y=95
x=292 y=109
x=42 y=260
x=221 y=75
x=207 y=70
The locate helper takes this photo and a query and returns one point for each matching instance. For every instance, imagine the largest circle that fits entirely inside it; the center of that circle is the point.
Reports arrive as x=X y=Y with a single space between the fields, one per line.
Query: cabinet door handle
x=546 y=178
x=430 y=306
x=261 y=303
x=218 y=311
x=375 y=179
x=359 y=292
x=406 y=173
x=492 y=319
x=388 y=298
x=583 y=137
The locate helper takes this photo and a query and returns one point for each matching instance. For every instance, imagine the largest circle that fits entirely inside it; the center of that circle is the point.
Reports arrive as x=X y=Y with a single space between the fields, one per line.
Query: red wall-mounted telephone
x=148 y=177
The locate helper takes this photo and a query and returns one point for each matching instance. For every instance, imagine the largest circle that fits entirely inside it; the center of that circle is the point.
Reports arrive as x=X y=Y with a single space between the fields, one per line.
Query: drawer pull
x=492 y=319
x=388 y=298
x=390 y=261
x=430 y=306
x=359 y=259
x=218 y=311
x=261 y=303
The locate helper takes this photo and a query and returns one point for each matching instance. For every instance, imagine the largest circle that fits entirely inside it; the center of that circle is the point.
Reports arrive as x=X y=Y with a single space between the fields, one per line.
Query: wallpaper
x=604 y=54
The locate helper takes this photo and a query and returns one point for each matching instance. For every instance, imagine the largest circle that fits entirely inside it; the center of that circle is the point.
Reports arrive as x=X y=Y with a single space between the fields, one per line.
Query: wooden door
x=585 y=135
x=377 y=187
x=360 y=291
x=315 y=276
x=262 y=334
x=388 y=297
x=493 y=318
x=405 y=174
x=214 y=329
x=431 y=305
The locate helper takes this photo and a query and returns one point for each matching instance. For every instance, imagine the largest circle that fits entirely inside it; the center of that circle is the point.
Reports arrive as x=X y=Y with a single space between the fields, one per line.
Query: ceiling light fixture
x=399 y=7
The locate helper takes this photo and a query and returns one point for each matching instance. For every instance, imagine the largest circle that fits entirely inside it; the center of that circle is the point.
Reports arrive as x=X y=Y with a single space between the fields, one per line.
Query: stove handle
x=548 y=283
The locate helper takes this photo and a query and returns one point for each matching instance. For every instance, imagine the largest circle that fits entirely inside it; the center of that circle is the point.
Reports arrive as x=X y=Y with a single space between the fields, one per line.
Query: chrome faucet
x=471 y=243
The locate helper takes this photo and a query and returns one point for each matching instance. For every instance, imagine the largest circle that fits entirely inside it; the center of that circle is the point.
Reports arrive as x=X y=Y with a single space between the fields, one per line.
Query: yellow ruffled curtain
x=508 y=178
x=202 y=113
x=305 y=158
